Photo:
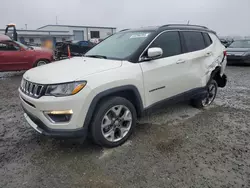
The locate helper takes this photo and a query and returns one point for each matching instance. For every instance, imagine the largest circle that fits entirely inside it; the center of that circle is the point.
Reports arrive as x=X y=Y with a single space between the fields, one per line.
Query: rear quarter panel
x=217 y=49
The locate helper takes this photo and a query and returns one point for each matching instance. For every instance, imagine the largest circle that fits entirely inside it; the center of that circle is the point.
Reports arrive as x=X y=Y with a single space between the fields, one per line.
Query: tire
x=113 y=122
x=211 y=94
x=41 y=62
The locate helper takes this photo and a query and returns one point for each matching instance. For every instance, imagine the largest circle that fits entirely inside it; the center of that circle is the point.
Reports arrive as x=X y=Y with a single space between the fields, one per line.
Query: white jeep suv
x=120 y=79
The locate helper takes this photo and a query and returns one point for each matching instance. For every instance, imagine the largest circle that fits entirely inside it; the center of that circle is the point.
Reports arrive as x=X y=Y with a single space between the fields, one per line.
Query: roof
x=4 y=37
x=172 y=27
x=149 y=28
x=77 y=26
x=38 y=31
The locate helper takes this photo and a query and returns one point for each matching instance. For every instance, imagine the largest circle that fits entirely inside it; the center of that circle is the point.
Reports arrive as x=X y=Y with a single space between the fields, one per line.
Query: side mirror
x=154 y=53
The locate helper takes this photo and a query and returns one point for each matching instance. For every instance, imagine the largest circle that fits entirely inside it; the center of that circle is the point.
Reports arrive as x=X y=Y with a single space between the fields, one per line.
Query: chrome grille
x=32 y=89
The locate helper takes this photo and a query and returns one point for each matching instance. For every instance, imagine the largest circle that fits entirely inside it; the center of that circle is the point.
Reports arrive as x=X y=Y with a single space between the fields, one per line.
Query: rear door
x=11 y=57
x=199 y=56
x=167 y=76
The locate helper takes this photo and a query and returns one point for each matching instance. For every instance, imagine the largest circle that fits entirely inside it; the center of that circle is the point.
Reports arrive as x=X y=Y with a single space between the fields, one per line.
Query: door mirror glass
x=154 y=53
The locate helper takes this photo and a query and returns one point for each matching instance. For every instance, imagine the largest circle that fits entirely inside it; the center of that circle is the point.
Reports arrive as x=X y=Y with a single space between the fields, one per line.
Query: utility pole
x=188 y=22
x=56 y=21
x=26 y=26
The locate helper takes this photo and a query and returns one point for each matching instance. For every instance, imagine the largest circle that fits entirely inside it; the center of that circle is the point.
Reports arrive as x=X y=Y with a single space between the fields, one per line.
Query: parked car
x=77 y=48
x=15 y=56
x=239 y=52
x=226 y=42
x=122 y=78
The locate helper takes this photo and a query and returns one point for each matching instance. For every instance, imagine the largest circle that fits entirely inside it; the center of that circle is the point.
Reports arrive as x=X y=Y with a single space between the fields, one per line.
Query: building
x=63 y=33
x=81 y=32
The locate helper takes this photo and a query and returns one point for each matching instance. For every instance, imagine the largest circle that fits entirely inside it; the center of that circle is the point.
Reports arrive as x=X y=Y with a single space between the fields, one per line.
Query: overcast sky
x=226 y=17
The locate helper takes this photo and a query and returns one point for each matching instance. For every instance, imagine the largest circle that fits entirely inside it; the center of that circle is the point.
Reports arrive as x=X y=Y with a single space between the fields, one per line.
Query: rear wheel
x=114 y=122
x=211 y=89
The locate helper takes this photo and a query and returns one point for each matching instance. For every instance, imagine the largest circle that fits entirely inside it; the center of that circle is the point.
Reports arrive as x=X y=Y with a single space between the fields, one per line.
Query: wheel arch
x=221 y=80
x=130 y=92
x=40 y=59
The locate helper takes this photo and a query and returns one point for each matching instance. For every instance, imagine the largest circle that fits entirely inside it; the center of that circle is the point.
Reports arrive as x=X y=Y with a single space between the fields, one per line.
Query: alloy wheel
x=116 y=123
x=211 y=93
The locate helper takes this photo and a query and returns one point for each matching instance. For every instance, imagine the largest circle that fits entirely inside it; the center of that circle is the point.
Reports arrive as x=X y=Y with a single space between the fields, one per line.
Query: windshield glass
x=22 y=45
x=240 y=44
x=120 y=45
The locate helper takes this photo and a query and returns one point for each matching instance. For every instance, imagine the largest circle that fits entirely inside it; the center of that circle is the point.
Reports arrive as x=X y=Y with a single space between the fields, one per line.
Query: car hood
x=69 y=70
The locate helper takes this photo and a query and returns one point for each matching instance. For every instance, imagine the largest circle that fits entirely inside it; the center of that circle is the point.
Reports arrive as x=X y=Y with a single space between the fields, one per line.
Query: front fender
x=109 y=92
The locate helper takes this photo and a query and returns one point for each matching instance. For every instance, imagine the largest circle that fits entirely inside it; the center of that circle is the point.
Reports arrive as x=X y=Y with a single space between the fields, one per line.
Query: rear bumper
x=41 y=128
x=238 y=59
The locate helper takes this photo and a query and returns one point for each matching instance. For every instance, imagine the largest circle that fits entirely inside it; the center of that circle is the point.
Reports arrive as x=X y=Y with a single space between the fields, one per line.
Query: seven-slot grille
x=32 y=89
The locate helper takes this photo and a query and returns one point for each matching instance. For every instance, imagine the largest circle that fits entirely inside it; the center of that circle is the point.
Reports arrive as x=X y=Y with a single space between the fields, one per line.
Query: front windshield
x=22 y=45
x=240 y=44
x=120 y=45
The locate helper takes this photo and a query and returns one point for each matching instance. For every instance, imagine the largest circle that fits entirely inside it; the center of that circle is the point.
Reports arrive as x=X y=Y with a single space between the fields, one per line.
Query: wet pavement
x=178 y=146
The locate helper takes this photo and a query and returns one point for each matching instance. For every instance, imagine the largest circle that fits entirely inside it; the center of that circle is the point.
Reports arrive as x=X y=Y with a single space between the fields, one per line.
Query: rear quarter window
x=194 y=41
x=208 y=40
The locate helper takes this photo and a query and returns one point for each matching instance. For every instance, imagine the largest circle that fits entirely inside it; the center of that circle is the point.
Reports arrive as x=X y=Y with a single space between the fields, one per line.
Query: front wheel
x=211 y=89
x=114 y=121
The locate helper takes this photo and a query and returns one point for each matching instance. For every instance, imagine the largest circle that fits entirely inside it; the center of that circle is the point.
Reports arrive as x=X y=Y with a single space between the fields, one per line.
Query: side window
x=194 y=41
x=169 y=42
x=8 y=46
x=207 y=39
x=3 y=47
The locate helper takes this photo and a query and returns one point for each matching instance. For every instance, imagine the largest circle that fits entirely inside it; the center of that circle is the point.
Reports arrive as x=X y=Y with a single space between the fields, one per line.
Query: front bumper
x=35 y=113
x=41 y=128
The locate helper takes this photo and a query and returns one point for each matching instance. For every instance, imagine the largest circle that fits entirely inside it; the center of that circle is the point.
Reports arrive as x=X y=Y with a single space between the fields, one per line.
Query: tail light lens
x=225 y=53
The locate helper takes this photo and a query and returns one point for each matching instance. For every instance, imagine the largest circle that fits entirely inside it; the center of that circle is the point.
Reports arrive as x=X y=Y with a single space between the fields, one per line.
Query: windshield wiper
x=97 y=56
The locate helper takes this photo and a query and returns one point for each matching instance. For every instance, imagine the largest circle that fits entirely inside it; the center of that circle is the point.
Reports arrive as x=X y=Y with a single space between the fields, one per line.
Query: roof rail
x=124 y=30
x=172 y=25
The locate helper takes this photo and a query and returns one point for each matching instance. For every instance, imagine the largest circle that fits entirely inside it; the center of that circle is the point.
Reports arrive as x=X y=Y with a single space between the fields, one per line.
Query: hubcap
x=40 y=63
x=116 y=123
x=211 y=93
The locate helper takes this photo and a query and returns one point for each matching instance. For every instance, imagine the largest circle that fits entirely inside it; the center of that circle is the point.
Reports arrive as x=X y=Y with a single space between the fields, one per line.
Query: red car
x=15 y=56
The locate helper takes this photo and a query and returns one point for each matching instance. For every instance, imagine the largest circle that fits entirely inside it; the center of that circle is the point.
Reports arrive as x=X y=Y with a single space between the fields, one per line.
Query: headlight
x=65 y=89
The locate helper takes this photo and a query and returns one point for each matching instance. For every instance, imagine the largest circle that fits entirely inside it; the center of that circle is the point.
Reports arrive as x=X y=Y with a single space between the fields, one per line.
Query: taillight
x=225 y=53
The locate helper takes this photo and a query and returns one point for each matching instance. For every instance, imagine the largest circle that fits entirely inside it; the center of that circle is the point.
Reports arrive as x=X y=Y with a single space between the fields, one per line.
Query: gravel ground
x=178 y=146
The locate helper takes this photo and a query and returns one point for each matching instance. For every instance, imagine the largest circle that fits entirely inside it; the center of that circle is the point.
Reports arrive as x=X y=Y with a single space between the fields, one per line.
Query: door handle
x=208 y=54
x=180 y=61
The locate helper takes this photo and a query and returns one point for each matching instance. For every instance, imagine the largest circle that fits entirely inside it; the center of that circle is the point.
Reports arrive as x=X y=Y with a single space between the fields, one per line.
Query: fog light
x=61 y=116
x=60 y=112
